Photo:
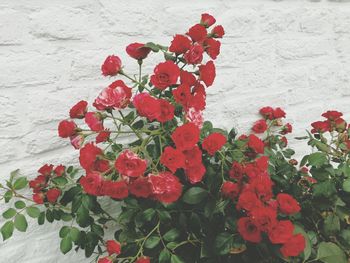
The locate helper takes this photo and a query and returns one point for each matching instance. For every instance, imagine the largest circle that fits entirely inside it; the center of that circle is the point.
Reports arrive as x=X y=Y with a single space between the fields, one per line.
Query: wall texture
x=294 y=54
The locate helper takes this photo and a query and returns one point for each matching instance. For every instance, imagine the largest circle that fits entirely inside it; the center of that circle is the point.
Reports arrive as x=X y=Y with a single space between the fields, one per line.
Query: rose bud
x=66 y=128
x=207 y=20
x=59 y=170
x=137 y=51
x=111 y=66
x=113 y=247
x=78 y=110
x=52 y=195
x=218 y=32
x=38 y=198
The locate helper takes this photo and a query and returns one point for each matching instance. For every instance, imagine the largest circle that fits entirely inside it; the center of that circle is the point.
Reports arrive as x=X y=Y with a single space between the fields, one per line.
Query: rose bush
x=186 y=191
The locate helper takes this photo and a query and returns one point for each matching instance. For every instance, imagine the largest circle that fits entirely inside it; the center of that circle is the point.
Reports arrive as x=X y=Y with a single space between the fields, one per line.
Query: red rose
x=207 y=20
x=287 y=204
x=129 y=164
x=137 y=51
x=172 y=158
x=66 y=128
x=193 y=157
x=38 y=198
x=248 y=230
x=294 y=246
x=46 y=169
x=143 y=260
x=147 y=106
x=77 y=141
x=78 y=110
x=186 y=136
x=248 y=200
x=180 y=44
x=260 y=126
x=115 y=96
x=53 y=194
x=195 y=173
x=111 y=66
x=264 y=217
x=207 y=73
x=279 y=113
x=197 y=33
x=94 y=121
x=113 y=247
x=194 y=55
x=38 y=183
x=287 y=129
x=332 y=115
x=92 y=183
x=88 y=156
x=255 y=144
x=281 y=232
x=187 y=78
x=166 y=111
x=230 y=189
x=166 y=187
x=140 y=187
x=236 y=171
x=115 y=189
x=218 y=32
x=59 y=170
x=214 y=142
x=165 y=75
x=267 y=112
x=212 y=47
x=261 y=185
x=320 y=126
x=182 y=94
x=103 y=136
x=105 y=260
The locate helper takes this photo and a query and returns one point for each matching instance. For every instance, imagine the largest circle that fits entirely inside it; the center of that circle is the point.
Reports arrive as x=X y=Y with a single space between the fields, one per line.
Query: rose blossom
x=129 y=164
x=214 y=142
x=111 y=66
x=66 y=128
x=78 y=110
x=165 y=75
x=137 y=51
x=207 y=73
x=186 y=136
x=180 y=44
x=113 y=247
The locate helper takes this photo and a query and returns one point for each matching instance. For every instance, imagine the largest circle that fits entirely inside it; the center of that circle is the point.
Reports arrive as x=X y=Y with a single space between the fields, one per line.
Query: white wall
x=293 y=53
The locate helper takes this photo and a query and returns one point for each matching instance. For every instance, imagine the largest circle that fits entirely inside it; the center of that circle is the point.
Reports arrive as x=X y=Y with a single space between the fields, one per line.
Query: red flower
x=187 y=78
x=195 y=173
x=180 y=44
x=88 y=156
x=78 y=110
x=214 y=142
x=264 y=217
x=92 y=183
x=197 y=33
x=212 y=47
x=94 y=121
x=248 y=230
x=279 y=113
x=281 y=232
x=255 y=144
x=115 y=96
x=111 y=66
x=165 y=75
x=137 y=51
x=287 y=204
x=248 y=200
x=332 y=115
x=260 y=126
x=38 y=198
x=140 y=187
x=287 y=129
x=236 y=171
x=207 y=73
x=267 y=112
x=113 y=247
x=103 y=136
x=166 y=111
x=115 y=189
x=46 y=169
x=143 y=260
x=59 y=170
x=105 y=260
x=320 y=126
x=230 y=189
x=53 y=194
x=218 y=32
x=194 y=55
x=193 y=157
x=261 y=185
x=294 y=246
x=172 y=158
x=182 y=94
x=207 y=20
x=186 y=136
x=166 y=187
x=147 y=106
x=129 y=164
x=66 y=128
x=284 y=141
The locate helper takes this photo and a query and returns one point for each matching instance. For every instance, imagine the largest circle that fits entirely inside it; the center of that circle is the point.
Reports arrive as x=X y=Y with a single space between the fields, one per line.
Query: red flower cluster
x=333 y=122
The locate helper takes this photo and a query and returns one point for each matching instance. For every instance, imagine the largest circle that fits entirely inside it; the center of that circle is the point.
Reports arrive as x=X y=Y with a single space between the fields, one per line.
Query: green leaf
x=171 y=235
x=326 y=189
x=148 y=214
x=329 y=252
x=176 y=259
x=61 y=181
x=9 y=213
x=152 y=242
x=20 y=204
x=346 y=185
x=74 y=234
x=223 y=243
x=66 y=244
x=7 y=230
x=33 y=211
x=8 y=196
x=194 y=195
x=41 y=218
x=317 y=159
x=331 y=225
x=154 y=47
x=64 y=231
x=164 y=256
x=21 y=223
x=20 y=183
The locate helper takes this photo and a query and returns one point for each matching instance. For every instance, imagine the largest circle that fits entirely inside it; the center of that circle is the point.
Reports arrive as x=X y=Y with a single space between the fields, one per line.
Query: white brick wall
x=293 y=53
